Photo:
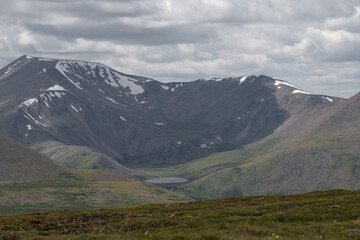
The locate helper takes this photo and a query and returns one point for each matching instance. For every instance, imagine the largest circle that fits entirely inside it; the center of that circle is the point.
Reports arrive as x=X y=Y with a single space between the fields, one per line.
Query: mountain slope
x=32 y=182
x=323 y=155
x=138 y=121
x=20 y=163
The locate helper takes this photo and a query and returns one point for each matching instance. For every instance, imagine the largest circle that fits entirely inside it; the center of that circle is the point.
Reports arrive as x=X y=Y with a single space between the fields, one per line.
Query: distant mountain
x=56 y=104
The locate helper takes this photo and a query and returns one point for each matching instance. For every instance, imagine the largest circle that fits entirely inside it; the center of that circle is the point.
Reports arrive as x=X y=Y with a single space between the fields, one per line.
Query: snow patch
x=28 y=57
x=28 y=102
x=28 y=127
x=56 y=88
x=92 y=70
x=165 y=87
x=48 y=97
x=242 y=79
x=27 y=115
x=204 y=146
x=101 y=90
x=143 y=102
x=112 y=100
x=61 y=67
x=172 y=89
x=179 y=143
x=74 y=108
x=299 y=91
x=280 y=82
x=122 y=118
x=12 y=67
x=219 y=138
x=329 y=99
x=159 y=124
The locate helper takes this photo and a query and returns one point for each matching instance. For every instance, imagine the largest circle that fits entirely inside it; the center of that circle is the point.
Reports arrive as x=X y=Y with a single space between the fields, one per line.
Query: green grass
x=323 y=162
x=213 y=163
x=80 y=190
x=79 y=158
x=317 y=215
x=334 y=161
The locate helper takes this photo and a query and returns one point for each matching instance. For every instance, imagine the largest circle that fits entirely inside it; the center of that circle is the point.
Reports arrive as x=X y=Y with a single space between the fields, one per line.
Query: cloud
x=315 y=45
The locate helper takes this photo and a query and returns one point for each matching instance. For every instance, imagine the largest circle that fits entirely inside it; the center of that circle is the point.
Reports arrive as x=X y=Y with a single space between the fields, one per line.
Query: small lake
x=166 y=180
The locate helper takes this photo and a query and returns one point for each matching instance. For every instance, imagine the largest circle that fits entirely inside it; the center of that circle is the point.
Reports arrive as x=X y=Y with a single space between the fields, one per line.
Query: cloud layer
x=313 y=44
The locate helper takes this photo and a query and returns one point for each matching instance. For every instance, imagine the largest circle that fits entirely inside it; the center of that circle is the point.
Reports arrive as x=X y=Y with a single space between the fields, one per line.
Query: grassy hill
x=32 y=182
x=323 y=162
x=20 y=163
x=317 y=215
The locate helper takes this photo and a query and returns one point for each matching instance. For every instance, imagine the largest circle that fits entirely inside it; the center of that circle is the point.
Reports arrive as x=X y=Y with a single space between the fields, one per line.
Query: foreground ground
x=317 y=215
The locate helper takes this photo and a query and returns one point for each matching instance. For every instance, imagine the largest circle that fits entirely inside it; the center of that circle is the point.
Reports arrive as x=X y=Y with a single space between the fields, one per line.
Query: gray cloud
x=315 y=45
x=128 y=34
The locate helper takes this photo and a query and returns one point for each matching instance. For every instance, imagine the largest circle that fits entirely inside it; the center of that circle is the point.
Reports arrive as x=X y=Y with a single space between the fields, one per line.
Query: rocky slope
x=138 y=121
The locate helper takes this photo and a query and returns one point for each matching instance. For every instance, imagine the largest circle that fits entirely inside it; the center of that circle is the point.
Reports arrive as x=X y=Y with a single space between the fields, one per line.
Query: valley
x=116 y=139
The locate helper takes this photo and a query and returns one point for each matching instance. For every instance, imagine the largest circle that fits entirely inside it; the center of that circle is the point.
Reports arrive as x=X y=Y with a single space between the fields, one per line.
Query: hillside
x=137 y=121
x=235 y=136
x=324 y=162
x=32 y=182
x=20 y=163
x=316 y=215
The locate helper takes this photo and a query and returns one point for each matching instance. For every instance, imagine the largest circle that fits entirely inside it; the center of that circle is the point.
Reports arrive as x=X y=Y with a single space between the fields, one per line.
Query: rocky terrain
x=52 y=104
x=235 y=136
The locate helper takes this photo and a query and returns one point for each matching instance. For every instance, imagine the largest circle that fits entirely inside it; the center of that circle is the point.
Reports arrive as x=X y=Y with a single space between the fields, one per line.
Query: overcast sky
x=314 y=44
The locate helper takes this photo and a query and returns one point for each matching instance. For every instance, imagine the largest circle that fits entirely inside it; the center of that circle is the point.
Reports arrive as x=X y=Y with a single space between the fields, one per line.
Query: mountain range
x=243 y=135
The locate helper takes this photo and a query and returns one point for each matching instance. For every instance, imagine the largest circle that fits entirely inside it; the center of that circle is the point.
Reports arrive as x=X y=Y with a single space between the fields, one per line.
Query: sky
x=314 y=44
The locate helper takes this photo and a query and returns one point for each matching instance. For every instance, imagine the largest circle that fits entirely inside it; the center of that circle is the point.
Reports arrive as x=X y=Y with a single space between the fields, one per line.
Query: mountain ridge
x=139 y=121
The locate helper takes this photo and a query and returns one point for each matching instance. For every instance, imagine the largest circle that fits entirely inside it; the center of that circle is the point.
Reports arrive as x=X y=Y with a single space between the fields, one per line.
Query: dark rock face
x=135 y=120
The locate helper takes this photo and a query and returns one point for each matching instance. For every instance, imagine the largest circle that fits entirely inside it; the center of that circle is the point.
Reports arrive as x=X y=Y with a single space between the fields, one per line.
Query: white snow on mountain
x=299 y=91
x=12 y=67
x=28 y=102
x=48 y=97
x=280 y=82
x=329 y=99
x=74 y=108
x=242 y=79
x=56 y=88
x=165 y=87
x=91 y=70
x=112 y=100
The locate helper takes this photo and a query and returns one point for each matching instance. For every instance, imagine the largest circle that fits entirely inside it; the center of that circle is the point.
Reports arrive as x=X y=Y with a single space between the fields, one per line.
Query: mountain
x=316 y=152
x=53 y=105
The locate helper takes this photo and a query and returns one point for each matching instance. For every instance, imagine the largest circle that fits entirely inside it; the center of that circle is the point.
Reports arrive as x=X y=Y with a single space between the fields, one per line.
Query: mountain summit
x=54 y=105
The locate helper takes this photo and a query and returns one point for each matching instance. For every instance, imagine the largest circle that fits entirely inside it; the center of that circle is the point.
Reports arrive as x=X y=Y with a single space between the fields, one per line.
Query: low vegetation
x=322 y=162
x=81 y=189
x=317 y=215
